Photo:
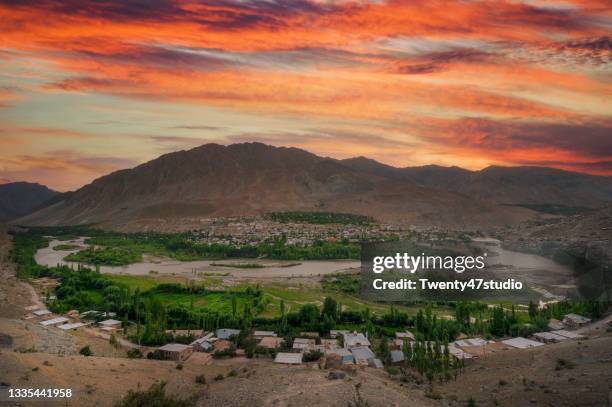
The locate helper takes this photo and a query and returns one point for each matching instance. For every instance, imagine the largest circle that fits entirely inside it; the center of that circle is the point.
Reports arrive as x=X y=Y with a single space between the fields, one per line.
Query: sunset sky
x=90 y=87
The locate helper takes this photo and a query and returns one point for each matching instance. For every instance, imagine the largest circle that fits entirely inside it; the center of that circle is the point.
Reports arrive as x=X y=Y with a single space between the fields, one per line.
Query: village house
x=225 y=333
x=345 y=355
x=555 y=324
x=568 y=334
x=176 y=351
x=329 y=343
x=288 y=358
x=203 y=344
x=54 y=321
x=575 y=320
x=110 y=323
x=68 y=327
x=522 y=343
x=263 y=334
x=397 y=356
x=303 y=344
x=41 y=312
x=362 y=355
x=548 y=337
x=352 y=340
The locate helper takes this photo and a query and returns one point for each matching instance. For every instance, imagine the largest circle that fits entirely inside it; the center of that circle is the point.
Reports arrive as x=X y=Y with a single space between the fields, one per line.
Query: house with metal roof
x=176 y=351
x=288 y=358
x=362 y=355
x=352 y=340
x=397 y=356
x=226 y=333
x=303 y=344
x=345 y=355
x=54 y=321
x=568 y=334
x=522 y=343
x=548 y=337
x=575 y=320
x=262 y=334
x=109 y=323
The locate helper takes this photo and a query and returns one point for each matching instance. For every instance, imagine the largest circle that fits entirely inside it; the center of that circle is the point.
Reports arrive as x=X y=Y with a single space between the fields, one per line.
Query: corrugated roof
x=568 y=334
x=225 y=333
x=288 y=358
x=174 y=347
x=71 y=326
x=54 y=321
x=362 y=353
x=522 y=343
x=110 y=322
x=397 y=356
x=264 y=333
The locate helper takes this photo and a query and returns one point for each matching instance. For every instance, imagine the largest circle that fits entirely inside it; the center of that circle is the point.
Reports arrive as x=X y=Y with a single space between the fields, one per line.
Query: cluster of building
x=73 y=319
x=242 y=231
x=349 y=347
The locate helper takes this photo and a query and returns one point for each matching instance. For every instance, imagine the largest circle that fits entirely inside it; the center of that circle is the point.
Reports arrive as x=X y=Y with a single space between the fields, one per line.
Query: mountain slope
x=504 y=185
x=20 y=198
x=253 y=178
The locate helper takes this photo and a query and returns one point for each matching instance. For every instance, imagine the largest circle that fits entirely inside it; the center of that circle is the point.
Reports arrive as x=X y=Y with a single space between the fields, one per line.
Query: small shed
x=397 y=356
x=345 y=355
x=263 y=334
x=575 y=320
x=54 y=321
x=548 y=337
x=110 y=323
x=303 y=343
x=225 y=333
x=362 y=355
x=288 y=358
x=41 y=312
x=67 y=327
x=176 y=351
x=522 y=343
x=568 y=334
x=352 y=340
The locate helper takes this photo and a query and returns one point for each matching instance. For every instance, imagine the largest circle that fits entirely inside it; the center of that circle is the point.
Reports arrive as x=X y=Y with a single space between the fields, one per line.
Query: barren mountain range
x=20 y=198
x=252 y=178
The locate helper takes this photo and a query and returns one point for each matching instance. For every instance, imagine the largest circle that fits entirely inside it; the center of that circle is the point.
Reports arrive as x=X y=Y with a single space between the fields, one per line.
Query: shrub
x=153 y=396
x=312 y=356
x=393 y=370
x=86 y=351
x=200 y=379
x=219 y=377
x=156 y=354
x=179 y=366
x=564 y=364
x=134 y=353
x=233 y=373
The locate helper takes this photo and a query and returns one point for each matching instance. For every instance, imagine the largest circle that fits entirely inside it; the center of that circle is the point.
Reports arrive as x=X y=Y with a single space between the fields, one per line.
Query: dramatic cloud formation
x=406 y=82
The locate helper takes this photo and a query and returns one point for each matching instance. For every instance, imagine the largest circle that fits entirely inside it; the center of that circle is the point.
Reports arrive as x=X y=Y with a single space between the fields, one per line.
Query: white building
x=352 y=340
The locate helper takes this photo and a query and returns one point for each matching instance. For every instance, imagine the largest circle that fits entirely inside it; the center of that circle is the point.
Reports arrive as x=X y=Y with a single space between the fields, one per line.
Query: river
x=163 y=265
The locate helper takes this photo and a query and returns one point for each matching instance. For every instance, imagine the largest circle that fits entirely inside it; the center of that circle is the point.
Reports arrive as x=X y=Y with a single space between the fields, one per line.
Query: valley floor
x=571 y=373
